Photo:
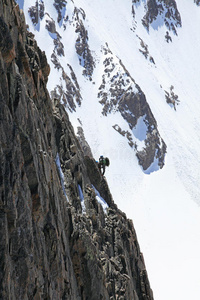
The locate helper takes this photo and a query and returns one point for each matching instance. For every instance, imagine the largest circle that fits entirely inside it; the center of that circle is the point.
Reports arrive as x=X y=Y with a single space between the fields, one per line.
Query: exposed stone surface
x=69 y=95
x=84 y=144
x=165 y=10
x=197 y=2
x=119 y=92
x=168 y=37
x=145 y=51
x=68 y=90
x=36 y=12
x=82 y=47
x=133 y=3
x=127 y=134
x=172 y=98
x=59 y=5
x=56 y=240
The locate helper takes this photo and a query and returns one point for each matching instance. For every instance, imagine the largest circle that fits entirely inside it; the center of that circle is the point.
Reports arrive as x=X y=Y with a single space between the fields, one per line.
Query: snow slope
x=164 y=204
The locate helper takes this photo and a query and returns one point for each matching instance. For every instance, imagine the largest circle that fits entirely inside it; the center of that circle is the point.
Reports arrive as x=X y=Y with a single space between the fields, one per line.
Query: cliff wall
x=61 y=234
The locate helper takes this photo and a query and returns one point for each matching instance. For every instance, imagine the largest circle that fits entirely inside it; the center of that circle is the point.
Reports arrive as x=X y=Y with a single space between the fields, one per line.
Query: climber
x=102 y=164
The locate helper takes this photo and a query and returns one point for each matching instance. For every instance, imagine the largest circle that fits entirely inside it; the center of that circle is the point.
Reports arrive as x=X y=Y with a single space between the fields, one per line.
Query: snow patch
x=63 y=12
x=140 y=130
x=159 y=21
x=81 y=198
x=53 y=35
x=62 y=178
x=101 y=200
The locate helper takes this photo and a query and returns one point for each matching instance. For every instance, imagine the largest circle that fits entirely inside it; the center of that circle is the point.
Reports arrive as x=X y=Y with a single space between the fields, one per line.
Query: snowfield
x=163 y=204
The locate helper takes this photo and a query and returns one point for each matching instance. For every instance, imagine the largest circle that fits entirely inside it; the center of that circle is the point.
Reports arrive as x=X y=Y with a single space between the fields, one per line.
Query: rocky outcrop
x=145 y=51
x=172 y=98
x=197 y=2
x=61 y=234
x=82 y=48
x=82 y=141
x=133 y=3
x=120 y=93
x=165 y=8
x=69 y=95
x=59 y=6
x=163 y=11
x=67 y=89
x=36 y=12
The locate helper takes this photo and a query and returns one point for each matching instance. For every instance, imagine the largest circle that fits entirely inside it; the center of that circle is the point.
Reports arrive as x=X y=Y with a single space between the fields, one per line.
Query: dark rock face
x=56 y=240
x=166 y=10
x=69 y=95
x=155 y=147
x=82 y=47
x=59 y=5
x=6 y=43
x=145 y=51
x=133 y=3
x=119 y=92
x=68 y=91
x=82 y=141
x=36 y=12
x=197 y=2
x=172 y=98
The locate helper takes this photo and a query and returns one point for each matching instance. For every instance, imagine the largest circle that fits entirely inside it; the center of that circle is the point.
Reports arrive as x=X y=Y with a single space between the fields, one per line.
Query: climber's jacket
x=103 y=162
